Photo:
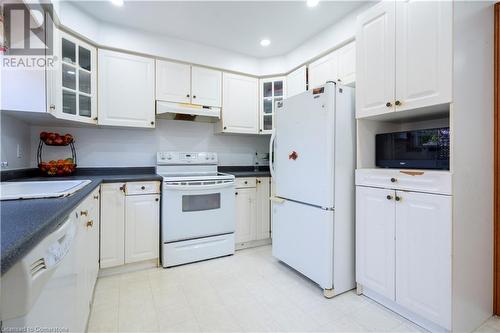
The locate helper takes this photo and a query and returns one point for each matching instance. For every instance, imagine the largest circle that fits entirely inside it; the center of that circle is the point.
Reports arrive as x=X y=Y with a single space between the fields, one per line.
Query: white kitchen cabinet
x=404 y=56
x=126 y=93
x=173 y=81
x=112 y=225
x=375 y=257
x=296 y=82
x=240 y=104
x=263 y=208
x=72 y=83
x=424 y=53
x=375 y=60
x=130 y=223
x=322 y=70
x=206 y=86
x=346 y=57
x=423 y=255
x=183 y=83
x=142 y=221
x=272 y=92
x=245 y=214
x=404 y=247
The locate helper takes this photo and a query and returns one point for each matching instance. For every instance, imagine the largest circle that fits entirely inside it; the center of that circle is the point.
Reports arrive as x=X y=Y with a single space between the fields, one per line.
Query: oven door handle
x=198 y=187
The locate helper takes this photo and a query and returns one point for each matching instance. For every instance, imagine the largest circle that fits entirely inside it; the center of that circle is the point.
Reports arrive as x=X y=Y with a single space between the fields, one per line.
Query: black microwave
x=419 y=149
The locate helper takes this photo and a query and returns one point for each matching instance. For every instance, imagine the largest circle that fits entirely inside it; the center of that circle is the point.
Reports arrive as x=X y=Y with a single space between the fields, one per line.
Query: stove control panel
x=170 y=157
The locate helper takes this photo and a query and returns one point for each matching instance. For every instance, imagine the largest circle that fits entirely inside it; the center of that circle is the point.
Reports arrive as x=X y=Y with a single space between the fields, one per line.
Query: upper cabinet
x=296 y=81
x=72 y=84
x=182 y=83
x=404 y=56
x=240 y=104
x=272 y=92
x=126 y=90
x=339 y=66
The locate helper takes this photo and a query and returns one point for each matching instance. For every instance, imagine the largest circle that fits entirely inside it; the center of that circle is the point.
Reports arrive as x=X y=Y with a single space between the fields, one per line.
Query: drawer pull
x=388 y=104
x=393 y=180
x=389 y=197
x=246 y=182
x=398 y=198
x=84 y=213
x=90 y=223
x=96 y=197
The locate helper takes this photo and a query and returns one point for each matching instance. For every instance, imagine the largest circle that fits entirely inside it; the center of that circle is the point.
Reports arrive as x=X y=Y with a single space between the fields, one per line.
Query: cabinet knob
x=398 y=198
x=260 y=130
x=96 y=197
x=156 y=199
x=152 y=123
x=388 y=104
x=84 y=213
x=246 y=182
x=143 y=188
x=235 y=193
x=187 y=95
x=52 y=107
x=389 y=197
x=339 y=80
x=398 y=103
x=194 y=96
x=225 y=127
x=90 y=223
x=393 y=180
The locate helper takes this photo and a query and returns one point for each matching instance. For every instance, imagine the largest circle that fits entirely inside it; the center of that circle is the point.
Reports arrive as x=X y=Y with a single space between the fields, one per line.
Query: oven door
x=197 y=209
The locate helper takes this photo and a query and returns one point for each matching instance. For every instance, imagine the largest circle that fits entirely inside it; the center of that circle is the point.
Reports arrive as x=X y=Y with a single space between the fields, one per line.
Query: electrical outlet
x=4 y=164
x=19 y=152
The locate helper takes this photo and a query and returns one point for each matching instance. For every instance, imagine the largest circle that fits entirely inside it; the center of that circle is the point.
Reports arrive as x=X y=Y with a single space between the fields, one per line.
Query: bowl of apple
x=58 y=168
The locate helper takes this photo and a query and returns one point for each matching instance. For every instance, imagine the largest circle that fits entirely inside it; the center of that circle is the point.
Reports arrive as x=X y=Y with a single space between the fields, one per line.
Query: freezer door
x=303 y=239
x=304 y=147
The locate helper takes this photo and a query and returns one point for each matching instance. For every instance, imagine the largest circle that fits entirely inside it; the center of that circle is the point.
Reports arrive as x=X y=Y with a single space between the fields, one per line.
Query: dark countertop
x=24 y=223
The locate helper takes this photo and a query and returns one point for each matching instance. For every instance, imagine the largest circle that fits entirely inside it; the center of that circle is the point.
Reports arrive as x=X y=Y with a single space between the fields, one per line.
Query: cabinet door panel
x=142 y=225
x=240 y=104
x=173 y=81
x=296 y=82
x=206 y=86
x=245 y=215
x=126 y=90
x=347 y=63
x=323 y=70
x=112 y=225
x=423 y=53
x=375 y=57
x=423 y=255
x=263 y=223
x=375 y=261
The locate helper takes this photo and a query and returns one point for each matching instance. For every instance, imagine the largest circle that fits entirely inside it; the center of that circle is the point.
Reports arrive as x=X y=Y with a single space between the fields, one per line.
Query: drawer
x=246 y=182
x=89 y=208
x=438 y=182
x=132 y=188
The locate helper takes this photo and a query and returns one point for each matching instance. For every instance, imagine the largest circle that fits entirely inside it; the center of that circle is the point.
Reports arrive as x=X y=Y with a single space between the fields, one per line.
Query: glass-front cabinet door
x=72 y=81
x=272 y=92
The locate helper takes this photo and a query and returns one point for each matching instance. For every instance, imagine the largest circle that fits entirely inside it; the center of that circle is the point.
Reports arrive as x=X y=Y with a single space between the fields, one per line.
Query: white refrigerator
x=312 y=153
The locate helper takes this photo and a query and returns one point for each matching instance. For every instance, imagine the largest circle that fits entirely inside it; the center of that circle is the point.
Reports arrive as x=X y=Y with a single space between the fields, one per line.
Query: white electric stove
x=198 y=208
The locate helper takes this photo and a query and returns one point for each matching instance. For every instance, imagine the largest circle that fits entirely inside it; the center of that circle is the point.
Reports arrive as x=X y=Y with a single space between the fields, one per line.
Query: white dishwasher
x=39 y=292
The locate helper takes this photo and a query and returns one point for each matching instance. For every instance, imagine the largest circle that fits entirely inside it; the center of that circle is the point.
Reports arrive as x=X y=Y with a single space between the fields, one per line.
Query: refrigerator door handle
x=277 y=200
x=271 y=151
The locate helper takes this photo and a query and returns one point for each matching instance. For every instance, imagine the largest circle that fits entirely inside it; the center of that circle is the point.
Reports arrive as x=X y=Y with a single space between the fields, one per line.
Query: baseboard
x=133 y=267
x=255 y=243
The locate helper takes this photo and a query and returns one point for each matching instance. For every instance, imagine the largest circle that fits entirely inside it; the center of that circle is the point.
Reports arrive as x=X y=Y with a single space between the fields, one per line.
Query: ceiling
x=232 y=25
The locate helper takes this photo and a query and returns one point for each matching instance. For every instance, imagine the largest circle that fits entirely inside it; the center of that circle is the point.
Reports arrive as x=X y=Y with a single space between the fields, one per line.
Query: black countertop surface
x=24 y=223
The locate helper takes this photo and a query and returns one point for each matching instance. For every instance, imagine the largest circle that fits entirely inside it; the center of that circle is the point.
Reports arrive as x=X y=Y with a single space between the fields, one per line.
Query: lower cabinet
x=87 y=256
x=252 y=210
x=130 y=223
x=403 y=249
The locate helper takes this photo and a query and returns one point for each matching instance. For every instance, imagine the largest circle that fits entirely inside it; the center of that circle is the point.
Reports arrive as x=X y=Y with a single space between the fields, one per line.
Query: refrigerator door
x=304 y=147
x=303 y=239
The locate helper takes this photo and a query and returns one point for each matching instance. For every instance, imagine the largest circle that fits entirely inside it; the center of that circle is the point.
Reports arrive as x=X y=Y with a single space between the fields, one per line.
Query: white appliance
x=313 y=150
x=198 y=208
x=40 y=290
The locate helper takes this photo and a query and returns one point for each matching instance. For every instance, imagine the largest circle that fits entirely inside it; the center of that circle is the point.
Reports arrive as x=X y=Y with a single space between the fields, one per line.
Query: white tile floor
x=248 y=292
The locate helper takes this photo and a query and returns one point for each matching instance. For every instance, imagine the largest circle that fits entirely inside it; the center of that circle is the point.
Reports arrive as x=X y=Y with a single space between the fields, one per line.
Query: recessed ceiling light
x=117 y=2
x=312 y=3
x=265 y=42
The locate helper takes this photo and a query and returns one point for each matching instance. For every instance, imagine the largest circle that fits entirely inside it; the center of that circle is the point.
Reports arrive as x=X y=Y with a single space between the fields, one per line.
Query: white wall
x=472 y=144
x=15 y=132
x=138 y=147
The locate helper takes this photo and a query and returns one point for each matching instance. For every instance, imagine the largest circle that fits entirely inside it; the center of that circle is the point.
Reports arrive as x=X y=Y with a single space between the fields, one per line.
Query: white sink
x=43 y=189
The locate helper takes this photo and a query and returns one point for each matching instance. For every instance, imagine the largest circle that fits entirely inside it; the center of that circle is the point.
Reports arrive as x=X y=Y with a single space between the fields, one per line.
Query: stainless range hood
x=185 y=111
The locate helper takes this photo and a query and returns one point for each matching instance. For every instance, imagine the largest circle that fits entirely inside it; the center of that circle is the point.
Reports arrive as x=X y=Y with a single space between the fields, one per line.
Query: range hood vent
x=188 y=112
